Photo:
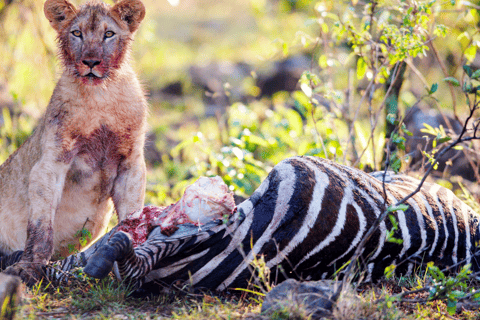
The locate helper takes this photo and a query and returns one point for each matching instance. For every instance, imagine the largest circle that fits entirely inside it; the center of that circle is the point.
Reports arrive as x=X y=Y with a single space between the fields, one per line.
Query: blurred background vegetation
x=237 y=86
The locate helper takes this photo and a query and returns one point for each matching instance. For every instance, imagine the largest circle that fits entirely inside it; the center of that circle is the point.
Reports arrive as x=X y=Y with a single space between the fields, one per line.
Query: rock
x=312 y=298
x=173 y=89
x=284 y=76
x=222 y=84
x=460 y=164
x=10 y=293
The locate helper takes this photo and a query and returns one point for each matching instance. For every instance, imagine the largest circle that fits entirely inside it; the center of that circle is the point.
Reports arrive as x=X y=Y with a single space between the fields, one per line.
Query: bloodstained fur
x=88 y=148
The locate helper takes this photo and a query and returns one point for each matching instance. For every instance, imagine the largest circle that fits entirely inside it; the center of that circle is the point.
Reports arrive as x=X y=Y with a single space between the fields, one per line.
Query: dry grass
x=109 y=300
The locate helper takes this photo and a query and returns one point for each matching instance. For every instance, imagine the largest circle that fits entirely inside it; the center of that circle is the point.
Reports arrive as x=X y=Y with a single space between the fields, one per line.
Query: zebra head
x=135 y=263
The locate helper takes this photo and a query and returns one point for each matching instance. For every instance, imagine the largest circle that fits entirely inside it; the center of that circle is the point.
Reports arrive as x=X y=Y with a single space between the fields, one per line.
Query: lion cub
x=87 y=151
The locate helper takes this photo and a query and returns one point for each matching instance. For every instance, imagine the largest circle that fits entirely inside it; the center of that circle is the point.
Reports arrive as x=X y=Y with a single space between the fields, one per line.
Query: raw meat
x=206 y=200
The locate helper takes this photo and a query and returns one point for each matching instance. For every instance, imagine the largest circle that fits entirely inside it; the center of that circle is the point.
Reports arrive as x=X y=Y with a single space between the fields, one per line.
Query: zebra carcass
x=306 y=220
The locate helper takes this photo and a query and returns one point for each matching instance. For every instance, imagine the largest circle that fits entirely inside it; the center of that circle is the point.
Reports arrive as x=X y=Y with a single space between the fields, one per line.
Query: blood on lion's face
x=94 y=40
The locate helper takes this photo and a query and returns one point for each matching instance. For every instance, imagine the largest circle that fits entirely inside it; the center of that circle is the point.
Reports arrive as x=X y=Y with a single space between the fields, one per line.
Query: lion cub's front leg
x=46 y=182
x=129 y=187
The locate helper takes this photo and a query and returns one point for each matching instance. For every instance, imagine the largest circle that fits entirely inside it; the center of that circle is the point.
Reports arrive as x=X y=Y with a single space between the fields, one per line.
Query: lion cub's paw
x=29 y=272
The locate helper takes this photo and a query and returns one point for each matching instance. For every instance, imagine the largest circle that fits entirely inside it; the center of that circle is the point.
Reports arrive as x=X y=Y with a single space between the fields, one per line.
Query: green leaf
x=71 y=248
x=451 y=307
x=466 y=87
x=428 y=129
x=394 y=222
x=402 y=207
x=396 y=164
x=435 y=272
x=394 y=240
x=285 y=49
x=407 y=132
x=86 y=233
x=432 y=291
x=294 y=121
x=465 y=270
x=443 y=139
x=470 y=54
x=389 y=271
x=467 y=70
x=476 y=74
x=361 y=68
x=254 y=139
x=322 y=61
x=434 y=88
x=457 y=294
x=391 y=118
x=452 y=81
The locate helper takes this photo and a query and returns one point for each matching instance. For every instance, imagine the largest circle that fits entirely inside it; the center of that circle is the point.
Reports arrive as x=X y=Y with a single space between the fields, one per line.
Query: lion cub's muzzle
x=91 y=71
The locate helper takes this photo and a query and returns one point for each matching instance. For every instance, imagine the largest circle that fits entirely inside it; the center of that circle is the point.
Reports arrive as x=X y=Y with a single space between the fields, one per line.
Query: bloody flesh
x=206 y=200
x=139 y=223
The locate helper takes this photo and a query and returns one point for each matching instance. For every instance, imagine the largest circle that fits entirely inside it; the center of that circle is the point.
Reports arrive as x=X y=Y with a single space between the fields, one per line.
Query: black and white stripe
x=308 y=216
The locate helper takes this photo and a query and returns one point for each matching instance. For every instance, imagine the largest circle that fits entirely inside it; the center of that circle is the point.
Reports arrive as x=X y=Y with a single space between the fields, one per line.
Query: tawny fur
x=87 y=152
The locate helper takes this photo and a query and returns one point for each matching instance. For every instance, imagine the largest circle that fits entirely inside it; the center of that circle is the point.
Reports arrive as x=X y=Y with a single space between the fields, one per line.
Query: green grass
x=108 y=300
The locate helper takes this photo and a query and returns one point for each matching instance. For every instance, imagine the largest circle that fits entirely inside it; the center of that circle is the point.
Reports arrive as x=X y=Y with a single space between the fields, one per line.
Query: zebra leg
x=135 y=264
x=101 y=262
x=58 y=271
x=8 y=260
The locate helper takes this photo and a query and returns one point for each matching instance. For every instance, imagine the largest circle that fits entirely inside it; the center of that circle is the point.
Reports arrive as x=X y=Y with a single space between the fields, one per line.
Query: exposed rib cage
x=308 y=216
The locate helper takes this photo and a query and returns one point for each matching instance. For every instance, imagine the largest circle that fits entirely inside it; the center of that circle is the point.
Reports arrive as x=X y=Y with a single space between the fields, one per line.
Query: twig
x=382 y=105
x=52 y=313
x=348 y=272
x=405 y=293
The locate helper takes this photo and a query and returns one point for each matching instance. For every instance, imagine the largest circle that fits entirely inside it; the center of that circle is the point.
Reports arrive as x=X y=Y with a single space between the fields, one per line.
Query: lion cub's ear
x=58 y=12
x=131 y=12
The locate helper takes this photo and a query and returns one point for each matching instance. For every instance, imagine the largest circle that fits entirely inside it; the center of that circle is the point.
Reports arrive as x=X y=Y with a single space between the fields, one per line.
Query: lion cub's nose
x=91 y=63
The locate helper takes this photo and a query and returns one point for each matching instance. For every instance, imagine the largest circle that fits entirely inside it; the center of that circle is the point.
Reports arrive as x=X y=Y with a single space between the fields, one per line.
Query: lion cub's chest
x=103 y=148
x=96 y=158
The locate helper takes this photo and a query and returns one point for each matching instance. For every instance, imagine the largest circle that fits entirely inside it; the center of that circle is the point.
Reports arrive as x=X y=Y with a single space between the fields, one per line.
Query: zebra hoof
x=9 y=260
x=101 y=263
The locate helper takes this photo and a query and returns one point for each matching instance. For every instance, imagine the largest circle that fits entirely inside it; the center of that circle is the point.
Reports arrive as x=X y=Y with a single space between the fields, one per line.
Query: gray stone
x=311 y=297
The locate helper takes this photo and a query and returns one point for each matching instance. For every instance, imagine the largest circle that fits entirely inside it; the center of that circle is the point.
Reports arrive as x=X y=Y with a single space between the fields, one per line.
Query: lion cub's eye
x=109 y=34
x=77 y=33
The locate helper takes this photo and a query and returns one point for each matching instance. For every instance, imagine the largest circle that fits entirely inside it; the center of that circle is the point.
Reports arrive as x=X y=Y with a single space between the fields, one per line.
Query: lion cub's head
x=94 y=38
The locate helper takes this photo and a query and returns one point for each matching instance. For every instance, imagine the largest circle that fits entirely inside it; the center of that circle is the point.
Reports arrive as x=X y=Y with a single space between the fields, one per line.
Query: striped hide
x=308 y=217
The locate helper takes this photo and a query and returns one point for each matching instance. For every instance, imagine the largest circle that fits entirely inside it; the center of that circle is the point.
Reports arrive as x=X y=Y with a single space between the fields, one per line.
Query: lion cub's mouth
x=92 y=79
